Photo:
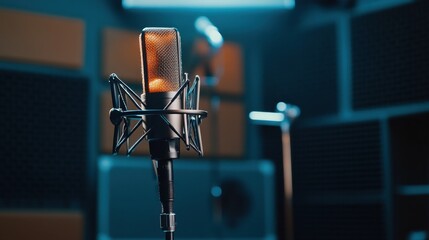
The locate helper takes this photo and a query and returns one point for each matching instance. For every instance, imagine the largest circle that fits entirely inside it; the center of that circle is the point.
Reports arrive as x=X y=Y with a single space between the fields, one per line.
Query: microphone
x=161 y=73
x=167 y=112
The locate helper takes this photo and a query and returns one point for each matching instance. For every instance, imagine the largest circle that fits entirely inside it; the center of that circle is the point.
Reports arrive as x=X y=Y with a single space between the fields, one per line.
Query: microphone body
x=163 y=141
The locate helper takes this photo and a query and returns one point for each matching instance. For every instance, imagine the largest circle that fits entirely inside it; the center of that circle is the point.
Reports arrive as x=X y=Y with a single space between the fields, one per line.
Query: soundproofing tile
x=411 y=217
x=304 y=72
x=41 y=225
x=121 y=55
x=337 y=159
x=390 y=54
x=230 y=128
x=409 y=139
x=41 y=39
x=44 y=140
x=230 y=62
x=226 y=65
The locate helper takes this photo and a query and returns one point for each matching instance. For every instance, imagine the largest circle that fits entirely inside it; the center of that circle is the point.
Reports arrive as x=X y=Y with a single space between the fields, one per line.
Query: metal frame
x=122 y=117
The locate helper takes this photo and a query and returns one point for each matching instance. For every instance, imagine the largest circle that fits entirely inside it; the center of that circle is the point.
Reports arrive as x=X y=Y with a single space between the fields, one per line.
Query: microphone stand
x=164 y=172
x=285 y=114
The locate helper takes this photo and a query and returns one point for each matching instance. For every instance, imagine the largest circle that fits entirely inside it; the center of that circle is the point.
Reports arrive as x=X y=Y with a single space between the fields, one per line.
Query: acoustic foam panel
x=129 y=206
x=121 y=55
x=230 y=62
x=411 y=216
x=343 y=158
x=226 y=65
x=231 y=127
x=44 y=140
x=304 y=72
x=409 y=139
x=41 y=39
x=390 y=54
x=41 y=225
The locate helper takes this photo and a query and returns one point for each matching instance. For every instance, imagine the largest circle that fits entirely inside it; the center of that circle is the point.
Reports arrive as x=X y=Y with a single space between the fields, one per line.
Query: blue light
x=266 y=168
x=417 y=235
x=216 y=191
x=215 y=37
x=286 y=4
x=281 y=106
x=266 y=116
x=206 y=28
x=106 y=163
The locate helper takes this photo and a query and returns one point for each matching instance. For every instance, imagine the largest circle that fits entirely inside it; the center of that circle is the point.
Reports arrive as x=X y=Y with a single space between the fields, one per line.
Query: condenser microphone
x=167 y=112
x=161 y=73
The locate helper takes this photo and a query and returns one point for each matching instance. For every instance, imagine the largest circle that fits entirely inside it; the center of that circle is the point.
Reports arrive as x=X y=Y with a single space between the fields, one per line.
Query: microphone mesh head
x=161 y=59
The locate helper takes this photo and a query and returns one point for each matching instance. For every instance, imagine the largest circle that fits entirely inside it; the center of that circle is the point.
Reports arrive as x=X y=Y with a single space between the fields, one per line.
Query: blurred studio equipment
x=283 y=117
x=206 y=46
x=167 y=112
x=128 y=205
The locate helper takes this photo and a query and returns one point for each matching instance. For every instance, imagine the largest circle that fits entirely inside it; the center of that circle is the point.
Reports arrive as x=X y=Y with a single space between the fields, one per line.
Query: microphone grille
x=161 y=59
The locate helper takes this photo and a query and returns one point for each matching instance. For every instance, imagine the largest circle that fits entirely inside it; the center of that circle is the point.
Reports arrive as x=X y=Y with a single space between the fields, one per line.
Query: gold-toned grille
x=161 y=60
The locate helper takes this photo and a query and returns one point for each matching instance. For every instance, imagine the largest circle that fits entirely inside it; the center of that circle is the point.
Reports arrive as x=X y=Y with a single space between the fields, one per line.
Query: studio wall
x=359 y=76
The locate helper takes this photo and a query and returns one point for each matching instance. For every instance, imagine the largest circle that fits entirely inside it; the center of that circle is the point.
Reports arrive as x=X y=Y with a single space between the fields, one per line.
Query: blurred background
x=358 y=70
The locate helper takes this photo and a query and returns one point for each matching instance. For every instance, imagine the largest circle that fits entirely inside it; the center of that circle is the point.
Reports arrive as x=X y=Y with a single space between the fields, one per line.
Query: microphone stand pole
x=287 y=178
x=164 y=172
x=163 y=152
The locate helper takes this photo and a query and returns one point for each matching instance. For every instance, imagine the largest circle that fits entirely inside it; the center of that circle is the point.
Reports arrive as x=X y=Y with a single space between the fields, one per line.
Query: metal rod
x=185 y=116
x=288 y=190
x=127 y=89
x=177 y=94
x=166 y=196
x=141 y=113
